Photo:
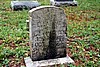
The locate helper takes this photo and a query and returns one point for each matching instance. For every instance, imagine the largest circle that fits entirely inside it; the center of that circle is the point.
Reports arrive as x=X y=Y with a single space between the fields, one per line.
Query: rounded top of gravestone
x=41 y=7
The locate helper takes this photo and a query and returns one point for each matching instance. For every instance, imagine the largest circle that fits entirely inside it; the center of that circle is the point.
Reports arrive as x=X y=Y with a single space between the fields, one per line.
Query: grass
x=83 y=34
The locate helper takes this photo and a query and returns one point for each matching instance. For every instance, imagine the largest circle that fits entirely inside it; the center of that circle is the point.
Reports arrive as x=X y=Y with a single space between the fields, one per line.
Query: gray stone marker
x=47 y=27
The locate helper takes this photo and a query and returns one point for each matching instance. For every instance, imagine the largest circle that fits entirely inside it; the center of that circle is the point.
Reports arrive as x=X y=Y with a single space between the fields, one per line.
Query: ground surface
x=83 y=34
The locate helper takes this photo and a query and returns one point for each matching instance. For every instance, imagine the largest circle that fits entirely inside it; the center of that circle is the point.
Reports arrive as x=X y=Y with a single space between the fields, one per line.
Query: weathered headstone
x=23 y=4
x=47 y=33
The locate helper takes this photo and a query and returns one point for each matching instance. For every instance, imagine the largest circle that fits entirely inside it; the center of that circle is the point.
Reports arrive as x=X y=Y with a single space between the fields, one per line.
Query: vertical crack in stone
x=52 y=42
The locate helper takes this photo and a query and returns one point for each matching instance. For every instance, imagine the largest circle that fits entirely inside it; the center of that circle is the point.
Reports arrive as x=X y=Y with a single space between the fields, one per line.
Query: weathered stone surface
x=49 y=63
x=23 y=4
x=47 y=33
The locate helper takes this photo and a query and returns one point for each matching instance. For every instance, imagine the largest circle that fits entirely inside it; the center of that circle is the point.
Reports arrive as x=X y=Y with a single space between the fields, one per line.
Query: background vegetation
x=83 y=34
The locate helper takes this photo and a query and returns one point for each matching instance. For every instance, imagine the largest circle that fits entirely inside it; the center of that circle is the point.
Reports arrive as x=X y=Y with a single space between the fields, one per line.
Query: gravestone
x=47 y=26
x=23 y=4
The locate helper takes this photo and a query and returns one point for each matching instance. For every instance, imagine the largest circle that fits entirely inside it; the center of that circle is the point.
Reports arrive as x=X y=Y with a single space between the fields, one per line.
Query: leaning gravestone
x=47 y=27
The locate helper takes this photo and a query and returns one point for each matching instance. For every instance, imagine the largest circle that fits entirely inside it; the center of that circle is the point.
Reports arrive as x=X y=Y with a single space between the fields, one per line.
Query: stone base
x=46 y=63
